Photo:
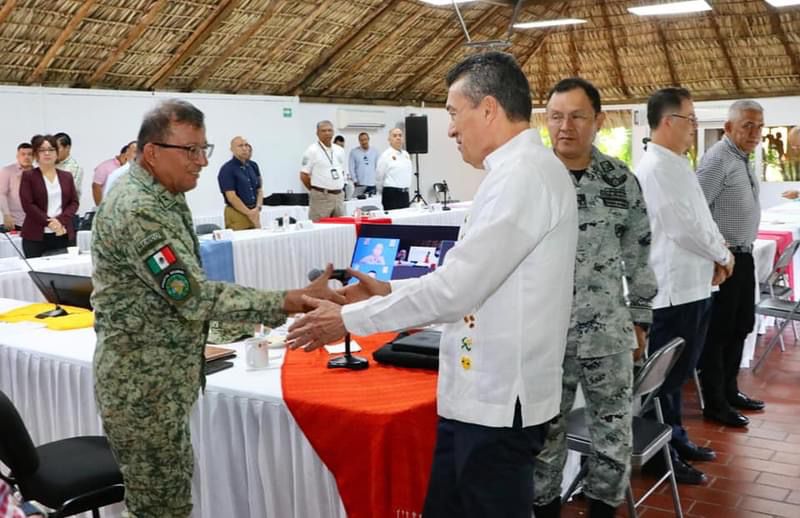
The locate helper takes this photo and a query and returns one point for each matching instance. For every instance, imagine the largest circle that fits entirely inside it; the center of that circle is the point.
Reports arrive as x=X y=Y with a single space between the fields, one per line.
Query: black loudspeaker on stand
x=416 y=143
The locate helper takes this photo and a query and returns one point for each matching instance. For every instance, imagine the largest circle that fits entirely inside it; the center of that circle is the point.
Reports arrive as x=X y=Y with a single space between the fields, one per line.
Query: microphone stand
x=57 y=311
x=348 y=361
x=446 y=191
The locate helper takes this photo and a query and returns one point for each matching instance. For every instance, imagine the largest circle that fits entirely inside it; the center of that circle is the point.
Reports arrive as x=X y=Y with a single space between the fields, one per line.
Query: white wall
x=102 y=121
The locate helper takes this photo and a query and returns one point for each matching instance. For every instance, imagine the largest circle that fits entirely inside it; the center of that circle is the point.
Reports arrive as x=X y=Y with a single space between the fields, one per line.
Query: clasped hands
x=322 y=323
x=56 y=226
x=722 y=272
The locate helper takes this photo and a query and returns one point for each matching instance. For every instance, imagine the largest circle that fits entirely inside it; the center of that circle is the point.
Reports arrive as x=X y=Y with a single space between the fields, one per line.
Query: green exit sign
x=287 y=113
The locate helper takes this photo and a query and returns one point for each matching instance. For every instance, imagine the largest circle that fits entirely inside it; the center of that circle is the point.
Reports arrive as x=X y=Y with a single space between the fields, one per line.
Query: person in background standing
x=393 y=173
x=240 y=183
x=105 y=168
x=363 y=160
x=50 y=201
x=10 y=178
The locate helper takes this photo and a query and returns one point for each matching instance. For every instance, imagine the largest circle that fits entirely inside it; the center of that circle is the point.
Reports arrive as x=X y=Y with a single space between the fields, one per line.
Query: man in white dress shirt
x=323 y=172
x=503 y=293
x=688 y=255
x=393 y=174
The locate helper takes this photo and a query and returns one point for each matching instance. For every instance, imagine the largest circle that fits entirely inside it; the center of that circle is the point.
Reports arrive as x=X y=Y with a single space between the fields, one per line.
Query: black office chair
x=205 y=228
x=72 y=475
x=649 y=437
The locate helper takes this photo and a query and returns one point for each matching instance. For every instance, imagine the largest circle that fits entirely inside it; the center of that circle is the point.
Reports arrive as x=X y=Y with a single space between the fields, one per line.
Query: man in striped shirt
x=730 y=186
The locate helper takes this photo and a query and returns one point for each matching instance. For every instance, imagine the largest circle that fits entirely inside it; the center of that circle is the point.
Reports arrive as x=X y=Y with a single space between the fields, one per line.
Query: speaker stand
x=417 y=194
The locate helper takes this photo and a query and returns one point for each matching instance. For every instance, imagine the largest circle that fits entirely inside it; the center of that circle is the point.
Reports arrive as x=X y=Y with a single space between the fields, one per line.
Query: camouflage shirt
x=151 y=299
x=613 y=241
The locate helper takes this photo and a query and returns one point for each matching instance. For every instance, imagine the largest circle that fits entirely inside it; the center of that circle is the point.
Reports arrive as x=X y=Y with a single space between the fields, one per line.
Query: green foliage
x=616 y=142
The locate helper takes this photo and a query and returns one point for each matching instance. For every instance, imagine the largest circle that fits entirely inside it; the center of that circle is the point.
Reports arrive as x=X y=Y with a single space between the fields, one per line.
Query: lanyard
x=330 y=158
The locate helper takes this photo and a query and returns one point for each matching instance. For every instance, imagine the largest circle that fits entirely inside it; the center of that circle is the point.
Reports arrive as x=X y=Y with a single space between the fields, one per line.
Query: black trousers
x=690 y=322
x=394 y=198
x=49 y=242
x=732 y=319
x=479 y=471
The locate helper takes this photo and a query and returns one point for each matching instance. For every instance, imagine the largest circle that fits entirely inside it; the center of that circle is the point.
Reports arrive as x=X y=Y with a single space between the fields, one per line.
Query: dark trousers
x=690 y=322
x=479 y=471
x=49 y=242
x=732 y=319
x=370 y=190
x=394 y=198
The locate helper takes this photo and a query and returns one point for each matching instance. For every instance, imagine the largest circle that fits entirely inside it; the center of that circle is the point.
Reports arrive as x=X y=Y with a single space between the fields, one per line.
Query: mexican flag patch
x=160 y=261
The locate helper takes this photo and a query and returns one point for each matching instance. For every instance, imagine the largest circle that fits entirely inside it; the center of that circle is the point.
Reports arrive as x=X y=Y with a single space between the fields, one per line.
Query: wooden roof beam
x=777 y=29
x=614 y=54
x=208 y=71
x=374 y=51
x=48 y=58
x=8 y=6
x=443 y=54
x=298 y=30
x=132 y=36
x=737 y=83
x=198 y=37
x=573 y=53
x=662 y=41
x=326 y=59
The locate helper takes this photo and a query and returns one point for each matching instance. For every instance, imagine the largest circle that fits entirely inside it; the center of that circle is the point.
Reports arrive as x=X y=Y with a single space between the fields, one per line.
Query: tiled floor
x=757 y=472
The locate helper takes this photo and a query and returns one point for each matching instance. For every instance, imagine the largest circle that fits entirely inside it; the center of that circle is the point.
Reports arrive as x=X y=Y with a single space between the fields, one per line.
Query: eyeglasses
x=195 y=152
x=574 y=118
x=691 y=118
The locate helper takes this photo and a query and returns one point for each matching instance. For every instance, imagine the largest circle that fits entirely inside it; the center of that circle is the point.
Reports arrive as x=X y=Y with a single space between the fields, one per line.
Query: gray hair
x=156 y=124
x=736 y=109
x=322 y=123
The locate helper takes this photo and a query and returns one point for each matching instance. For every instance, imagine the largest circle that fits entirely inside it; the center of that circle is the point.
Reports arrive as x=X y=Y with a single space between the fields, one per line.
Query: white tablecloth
x=251 y=458
x=6 y=249
x=268 y=214
x=432 y=215
x=763 y=258
x=351 y=205
x=785 y=217
x=15 y=283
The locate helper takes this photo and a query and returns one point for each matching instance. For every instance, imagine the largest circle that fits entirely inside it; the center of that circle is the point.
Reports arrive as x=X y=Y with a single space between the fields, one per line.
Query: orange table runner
x=374 y=429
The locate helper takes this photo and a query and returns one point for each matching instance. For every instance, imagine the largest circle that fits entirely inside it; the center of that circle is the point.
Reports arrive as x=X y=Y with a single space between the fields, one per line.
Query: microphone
x=57 y=311
x=338 y=275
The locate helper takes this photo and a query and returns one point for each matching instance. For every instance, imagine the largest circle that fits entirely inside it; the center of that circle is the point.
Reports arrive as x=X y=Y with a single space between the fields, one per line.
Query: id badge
x=335 y=173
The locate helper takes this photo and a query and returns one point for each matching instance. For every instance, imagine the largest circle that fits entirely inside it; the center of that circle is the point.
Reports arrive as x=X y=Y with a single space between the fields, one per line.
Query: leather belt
x=741 y=249
x=326 y=191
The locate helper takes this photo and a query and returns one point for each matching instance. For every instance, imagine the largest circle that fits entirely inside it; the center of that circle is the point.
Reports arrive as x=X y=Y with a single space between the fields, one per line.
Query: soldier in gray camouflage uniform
x=152 y=307
x=613 y=241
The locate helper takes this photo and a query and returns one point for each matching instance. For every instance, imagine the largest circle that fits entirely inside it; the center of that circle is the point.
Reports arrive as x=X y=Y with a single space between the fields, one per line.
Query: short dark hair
x=63 y=139
x=573 y=83
x=338 y=138
x=24 y=145
x=663 y=102
x=495 y=74
x=156 y=123
x=38 y=140
x=124 y=149
x=363 y=133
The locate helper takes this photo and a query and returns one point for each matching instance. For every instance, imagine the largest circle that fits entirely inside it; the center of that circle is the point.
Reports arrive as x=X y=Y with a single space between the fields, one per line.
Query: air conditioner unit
x=348 y=118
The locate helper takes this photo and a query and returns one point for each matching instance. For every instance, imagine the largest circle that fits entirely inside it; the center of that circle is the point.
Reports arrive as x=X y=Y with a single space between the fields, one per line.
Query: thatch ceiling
x=391 y=50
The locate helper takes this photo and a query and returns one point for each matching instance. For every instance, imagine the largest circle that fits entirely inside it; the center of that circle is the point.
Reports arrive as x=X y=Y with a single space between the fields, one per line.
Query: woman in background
x=49 y=200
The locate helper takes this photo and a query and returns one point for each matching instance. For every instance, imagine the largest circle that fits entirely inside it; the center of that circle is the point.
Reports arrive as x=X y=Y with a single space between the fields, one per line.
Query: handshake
x=322 y=322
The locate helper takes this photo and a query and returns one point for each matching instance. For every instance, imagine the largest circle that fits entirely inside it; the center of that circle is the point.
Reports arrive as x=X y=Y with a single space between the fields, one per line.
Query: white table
x=785 y=217
x=432 y=215
x=273 y=260
x=251 y=458
x=268 y=214
x=351 y=205
x=6 y=248
x=15 y=282
x=763 y=258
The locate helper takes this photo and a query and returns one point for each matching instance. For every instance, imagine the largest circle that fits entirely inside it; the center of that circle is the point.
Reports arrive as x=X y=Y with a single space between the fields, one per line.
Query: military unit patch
x=614 y=198
x=176 y=285
x=614 y=180
x=172 y=277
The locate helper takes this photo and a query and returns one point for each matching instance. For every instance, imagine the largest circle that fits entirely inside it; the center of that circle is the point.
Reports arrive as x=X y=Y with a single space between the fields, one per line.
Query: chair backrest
x=785 y=259
x=655 y=370
x=205 y=228
x=16 y=447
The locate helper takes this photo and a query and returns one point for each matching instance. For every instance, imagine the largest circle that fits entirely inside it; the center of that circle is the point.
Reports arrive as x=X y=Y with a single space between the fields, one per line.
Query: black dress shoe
x=687 y=474
x=727 y=417
x=743 y=402
x=691 y=451
x=684 y=473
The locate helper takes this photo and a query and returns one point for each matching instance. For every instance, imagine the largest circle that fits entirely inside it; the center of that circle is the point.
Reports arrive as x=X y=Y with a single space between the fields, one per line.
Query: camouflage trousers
x=154 y=451
x=607 y=386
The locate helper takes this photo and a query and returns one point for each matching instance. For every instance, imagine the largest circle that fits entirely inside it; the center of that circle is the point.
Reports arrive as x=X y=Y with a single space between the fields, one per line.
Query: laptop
x=423 y=342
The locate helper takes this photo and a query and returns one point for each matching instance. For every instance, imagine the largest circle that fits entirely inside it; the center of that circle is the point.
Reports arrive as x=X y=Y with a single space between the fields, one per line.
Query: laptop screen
x=392 y=252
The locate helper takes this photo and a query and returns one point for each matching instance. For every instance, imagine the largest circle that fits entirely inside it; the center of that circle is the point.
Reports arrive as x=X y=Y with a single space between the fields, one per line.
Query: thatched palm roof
x=391 y=50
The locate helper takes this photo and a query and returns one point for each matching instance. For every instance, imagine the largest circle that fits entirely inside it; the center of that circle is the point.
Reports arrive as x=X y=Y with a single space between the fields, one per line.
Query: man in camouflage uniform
x=613 y=241
x=152 y=306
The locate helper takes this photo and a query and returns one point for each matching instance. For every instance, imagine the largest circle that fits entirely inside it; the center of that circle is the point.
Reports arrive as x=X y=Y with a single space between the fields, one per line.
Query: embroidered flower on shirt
x=466 y=343
x=466 y=362
x=470 y=321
